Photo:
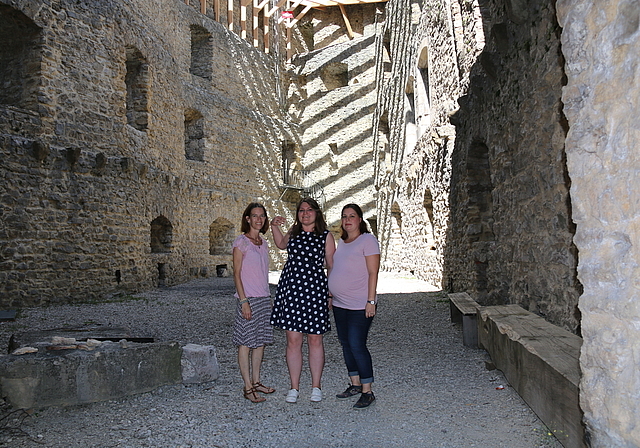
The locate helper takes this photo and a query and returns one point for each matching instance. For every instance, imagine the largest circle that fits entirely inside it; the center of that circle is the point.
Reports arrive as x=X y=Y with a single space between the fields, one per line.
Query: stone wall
x=601 y=43
x=332 y=98
x=477 y=186
x=130 y=152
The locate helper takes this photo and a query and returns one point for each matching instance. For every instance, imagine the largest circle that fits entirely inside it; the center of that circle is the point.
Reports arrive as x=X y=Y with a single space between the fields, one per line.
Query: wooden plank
x=230 y=15
x=346 y=21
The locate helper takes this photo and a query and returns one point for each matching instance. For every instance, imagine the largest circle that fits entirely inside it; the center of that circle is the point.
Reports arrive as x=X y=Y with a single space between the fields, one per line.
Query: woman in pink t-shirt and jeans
x=352 y=283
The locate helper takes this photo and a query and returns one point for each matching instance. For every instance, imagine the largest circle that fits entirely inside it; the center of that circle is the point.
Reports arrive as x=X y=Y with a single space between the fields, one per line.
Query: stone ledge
x=541 y=362
x=68 y=377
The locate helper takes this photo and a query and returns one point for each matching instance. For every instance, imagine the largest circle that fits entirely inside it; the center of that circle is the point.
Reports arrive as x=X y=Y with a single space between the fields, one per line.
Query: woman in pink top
x=352 y=283
x=252 y=330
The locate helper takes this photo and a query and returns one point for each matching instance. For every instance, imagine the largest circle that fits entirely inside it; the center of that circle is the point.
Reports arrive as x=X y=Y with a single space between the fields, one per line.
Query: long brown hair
x=319 y=226
x=245 y=227
x=363 y=224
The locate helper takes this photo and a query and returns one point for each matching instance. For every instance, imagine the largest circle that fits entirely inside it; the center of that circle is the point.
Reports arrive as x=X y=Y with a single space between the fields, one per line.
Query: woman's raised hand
x=278 y=221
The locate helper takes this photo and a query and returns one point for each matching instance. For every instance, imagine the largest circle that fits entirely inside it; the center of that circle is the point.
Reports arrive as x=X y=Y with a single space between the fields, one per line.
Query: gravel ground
x=431 y=390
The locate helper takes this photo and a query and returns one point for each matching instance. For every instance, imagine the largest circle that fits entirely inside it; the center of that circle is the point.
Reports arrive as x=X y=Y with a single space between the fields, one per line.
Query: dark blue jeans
x=353 y=328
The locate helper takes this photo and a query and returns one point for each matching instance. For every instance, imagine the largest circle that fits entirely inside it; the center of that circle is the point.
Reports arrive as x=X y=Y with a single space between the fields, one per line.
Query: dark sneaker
x=350 y=392
x=365 y=400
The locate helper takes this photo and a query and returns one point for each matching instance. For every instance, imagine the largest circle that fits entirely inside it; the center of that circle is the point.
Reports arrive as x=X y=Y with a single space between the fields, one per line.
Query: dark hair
x=320 y=224
x=245 y=227
x=363 y=224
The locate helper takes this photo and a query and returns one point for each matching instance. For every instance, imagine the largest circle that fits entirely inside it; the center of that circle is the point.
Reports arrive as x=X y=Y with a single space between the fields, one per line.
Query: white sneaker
x=292 y=396
x=316 y=394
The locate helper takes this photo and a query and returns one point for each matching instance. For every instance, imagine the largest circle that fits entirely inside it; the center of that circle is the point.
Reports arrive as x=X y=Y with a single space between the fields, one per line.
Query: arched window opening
x=161 y=235
x=386 y=54
x=20 y=59
x=423 y=103
x=427 y=203
x=411 y=135
x=201 y=52
x=288 y=162
x=335 y=75
x=137 y=83
x=221 y=236
x=194 y=141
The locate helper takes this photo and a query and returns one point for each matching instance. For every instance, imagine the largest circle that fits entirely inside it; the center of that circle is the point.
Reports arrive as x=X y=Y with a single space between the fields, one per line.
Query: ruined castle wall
x=83 y=183
x=511 y=225
x=482 y=191
x=601 y=43
x=333 y=95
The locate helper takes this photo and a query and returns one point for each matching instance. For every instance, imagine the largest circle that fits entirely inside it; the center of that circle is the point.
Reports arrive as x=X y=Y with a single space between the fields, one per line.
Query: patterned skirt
x=258 y=331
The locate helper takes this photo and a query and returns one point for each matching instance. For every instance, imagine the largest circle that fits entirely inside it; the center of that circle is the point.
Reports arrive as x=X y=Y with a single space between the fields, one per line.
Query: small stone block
x=199 y=363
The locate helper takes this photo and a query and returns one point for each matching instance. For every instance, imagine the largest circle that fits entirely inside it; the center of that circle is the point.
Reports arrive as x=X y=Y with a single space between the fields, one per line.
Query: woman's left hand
x=369 y=310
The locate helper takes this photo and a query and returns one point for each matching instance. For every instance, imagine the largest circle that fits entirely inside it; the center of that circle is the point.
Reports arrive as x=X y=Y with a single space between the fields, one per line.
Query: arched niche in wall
x=137 y=80
x=161 y=235
x=20 y=59
x=201 y=52
x=479 y=214
x=194 y=138
x=480 y=202
x=221 y=236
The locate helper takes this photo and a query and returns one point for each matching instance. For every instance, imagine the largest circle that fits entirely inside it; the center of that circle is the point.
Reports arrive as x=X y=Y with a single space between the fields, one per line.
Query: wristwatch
x=372 y=302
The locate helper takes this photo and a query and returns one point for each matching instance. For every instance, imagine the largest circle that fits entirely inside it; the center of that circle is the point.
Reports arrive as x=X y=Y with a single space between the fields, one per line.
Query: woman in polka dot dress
x=301 y=303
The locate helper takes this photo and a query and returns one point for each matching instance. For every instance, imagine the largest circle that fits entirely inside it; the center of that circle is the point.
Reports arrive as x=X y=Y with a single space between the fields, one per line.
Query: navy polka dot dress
x=300 y=303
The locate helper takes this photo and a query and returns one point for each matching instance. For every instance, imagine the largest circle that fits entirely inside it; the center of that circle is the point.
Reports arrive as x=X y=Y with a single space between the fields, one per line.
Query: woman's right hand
x=246 y=310
x=278 y=221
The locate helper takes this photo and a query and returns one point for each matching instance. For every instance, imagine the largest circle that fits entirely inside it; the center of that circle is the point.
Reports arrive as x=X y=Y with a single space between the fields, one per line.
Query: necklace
x=255 y=240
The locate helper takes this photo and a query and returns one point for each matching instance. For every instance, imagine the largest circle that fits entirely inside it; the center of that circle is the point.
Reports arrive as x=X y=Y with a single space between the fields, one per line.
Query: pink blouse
x=254 y=273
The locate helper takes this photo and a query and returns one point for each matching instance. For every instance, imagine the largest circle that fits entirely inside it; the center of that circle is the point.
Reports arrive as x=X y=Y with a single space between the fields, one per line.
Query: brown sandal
x=259 y=387
x=252 y=396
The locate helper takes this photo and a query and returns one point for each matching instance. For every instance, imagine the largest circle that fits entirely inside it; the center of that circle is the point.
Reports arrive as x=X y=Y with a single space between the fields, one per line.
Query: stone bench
x=541 y=362
x=464 y=310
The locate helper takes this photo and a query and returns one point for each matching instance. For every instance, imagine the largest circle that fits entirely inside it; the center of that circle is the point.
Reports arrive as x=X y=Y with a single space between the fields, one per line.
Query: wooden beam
x=325 y=3
x=275 y=8
x=266 y=31
x=203 y=6
x=289 y=8
x=216 y=10
x=230 y=14
x=298 y=17
x=346 y=21
x=254 y=23
x=243 y=20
